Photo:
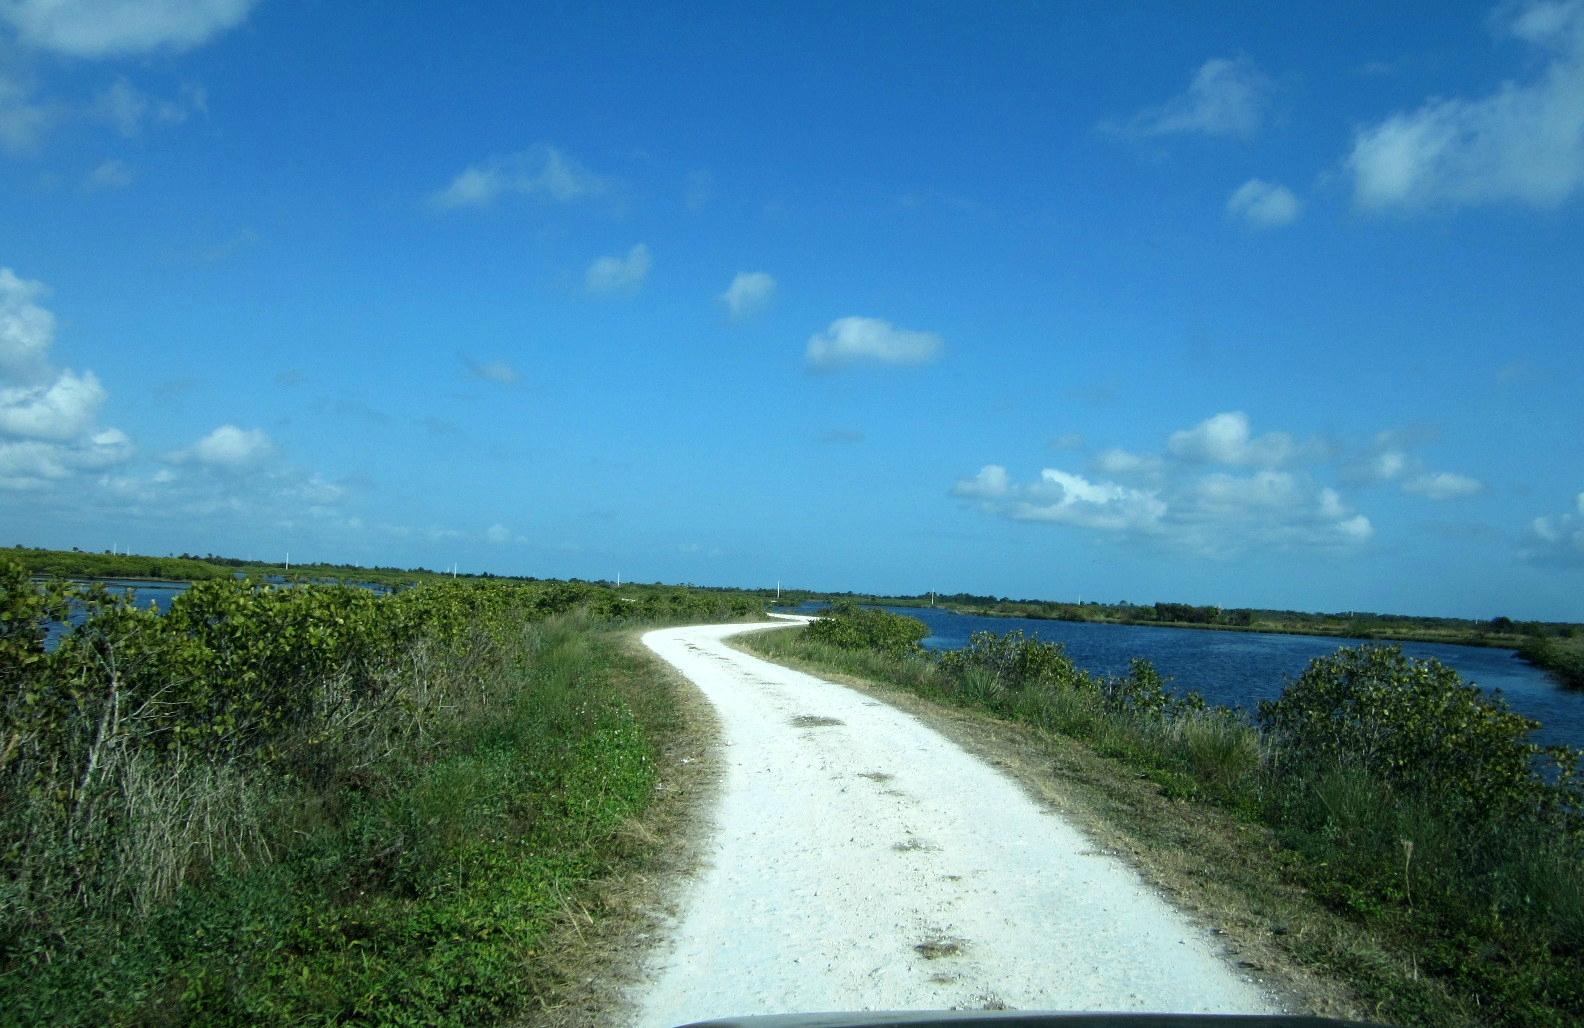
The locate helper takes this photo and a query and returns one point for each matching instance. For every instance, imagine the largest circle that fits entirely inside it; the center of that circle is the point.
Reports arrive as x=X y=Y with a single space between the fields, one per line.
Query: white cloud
x=102 y=28
x=1121 y=462
x=854 y=340
x=1264 y=204
x=749 y=293
x=1557 y=540
x=1225 y=98
x=34 y=463
x=1221 y=514
x=47 y=418
x=110 y=174
x=1443 y=485
x=1178 y=504
x=26 y=329
x=499 y=534
x=619 y=274
x=1064 y=498
x=1226 y=438
x=1523 y=143
x=229 y=448
x=61 y=411
x=1067 y=441
x=542 y=171
x=991 y=482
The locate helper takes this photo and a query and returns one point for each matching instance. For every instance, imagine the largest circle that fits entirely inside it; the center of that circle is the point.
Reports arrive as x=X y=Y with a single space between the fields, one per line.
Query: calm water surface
x=1238 y=669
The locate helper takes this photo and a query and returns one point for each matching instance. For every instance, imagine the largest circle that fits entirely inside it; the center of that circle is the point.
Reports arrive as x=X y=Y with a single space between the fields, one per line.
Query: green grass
x=418 y=888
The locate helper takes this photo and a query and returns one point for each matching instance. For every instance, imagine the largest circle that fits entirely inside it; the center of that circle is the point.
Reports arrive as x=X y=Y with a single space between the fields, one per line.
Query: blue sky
x=1269 y=305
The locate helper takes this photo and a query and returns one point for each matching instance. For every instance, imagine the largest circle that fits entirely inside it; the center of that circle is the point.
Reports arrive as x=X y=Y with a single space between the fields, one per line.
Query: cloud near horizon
x=856 y=340
x=1185 y=506
x=1522 y=143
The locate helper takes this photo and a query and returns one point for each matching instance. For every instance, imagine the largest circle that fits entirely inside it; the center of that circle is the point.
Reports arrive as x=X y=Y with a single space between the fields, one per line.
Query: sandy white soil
x=860 y=861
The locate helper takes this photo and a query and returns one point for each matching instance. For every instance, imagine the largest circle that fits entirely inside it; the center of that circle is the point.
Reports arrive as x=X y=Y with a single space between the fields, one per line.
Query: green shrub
x=848 y=626
x=1415 y=726
x=1014 y=662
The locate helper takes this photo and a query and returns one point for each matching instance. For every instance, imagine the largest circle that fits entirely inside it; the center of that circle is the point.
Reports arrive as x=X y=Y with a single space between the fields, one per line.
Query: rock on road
x=858 y=860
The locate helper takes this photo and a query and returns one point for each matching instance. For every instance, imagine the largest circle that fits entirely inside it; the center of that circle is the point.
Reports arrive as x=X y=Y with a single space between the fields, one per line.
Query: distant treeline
x=1496 y=631
x=188 y=567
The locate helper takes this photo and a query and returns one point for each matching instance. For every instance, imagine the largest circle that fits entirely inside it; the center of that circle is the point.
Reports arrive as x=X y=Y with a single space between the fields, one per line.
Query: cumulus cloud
x=26 y=329
x=104 y=28
x=992 y=482
x=498 y=534
x=48 y=419
x=229 y=448
x=1172 y=500
x=1264 y=204
x=1443 y=485
x=1121 y=462
x=541 y=172
x=1522 y=143
x=749 y=293
x=33 y=463
x=60 y=411
x=1557 y=540
x=1064 y=498
x=618 y=274
x=870 y=340
x=1227 y=438
x=1390 y=461
x=1227 y=97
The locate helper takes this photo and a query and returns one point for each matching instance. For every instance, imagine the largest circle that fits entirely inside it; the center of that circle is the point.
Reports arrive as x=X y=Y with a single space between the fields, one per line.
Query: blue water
x=1238 y=669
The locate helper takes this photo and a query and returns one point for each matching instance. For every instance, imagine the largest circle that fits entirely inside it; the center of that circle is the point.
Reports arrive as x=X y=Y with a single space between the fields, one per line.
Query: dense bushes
x=313 y=804
x=848 y=626
x=1412 y=725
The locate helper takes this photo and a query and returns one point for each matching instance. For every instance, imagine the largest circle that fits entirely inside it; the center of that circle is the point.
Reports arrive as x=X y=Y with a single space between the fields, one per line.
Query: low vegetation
x=313 y=805
x=1407 y=803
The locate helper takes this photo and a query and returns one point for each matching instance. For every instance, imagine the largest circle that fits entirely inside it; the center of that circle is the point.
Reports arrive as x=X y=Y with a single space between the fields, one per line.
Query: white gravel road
x=860 y=861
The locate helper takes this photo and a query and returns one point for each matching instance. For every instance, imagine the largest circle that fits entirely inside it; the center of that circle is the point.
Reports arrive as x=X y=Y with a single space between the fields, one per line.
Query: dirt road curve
x=860 y=861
